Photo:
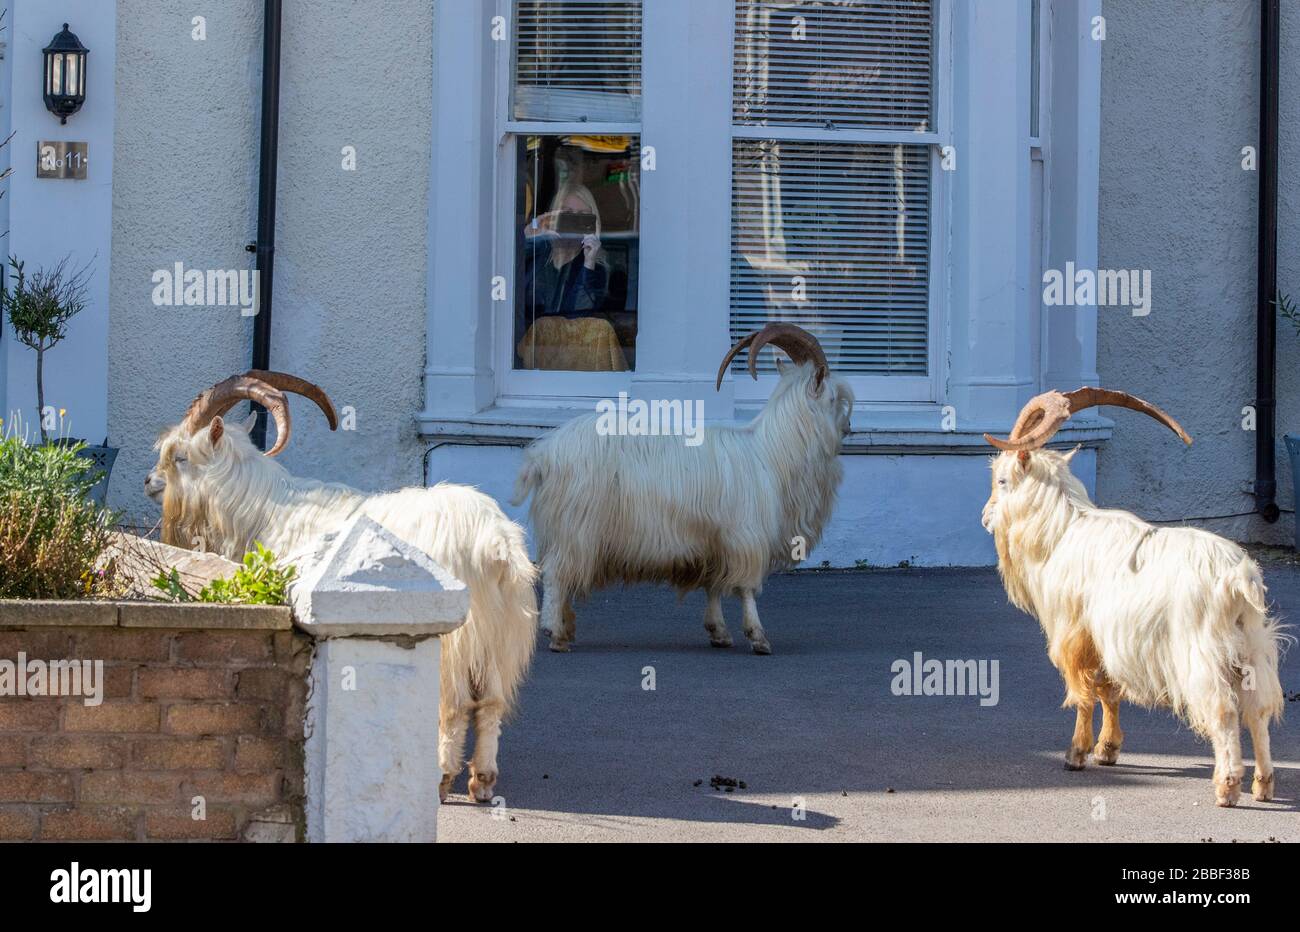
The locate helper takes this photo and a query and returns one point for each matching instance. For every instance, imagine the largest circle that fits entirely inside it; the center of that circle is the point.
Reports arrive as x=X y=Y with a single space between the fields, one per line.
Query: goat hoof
x=1262 y=788
x=1075 y=758
x=1105 y=753
x=561 y=647
x=444 y=788
x=1227 y=791
x=761 y=647
x=720 y=642
x=481 y=786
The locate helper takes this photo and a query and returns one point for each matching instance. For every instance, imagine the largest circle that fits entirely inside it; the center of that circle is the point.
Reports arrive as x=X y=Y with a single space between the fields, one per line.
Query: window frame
x=548 y=388
x=873 y=390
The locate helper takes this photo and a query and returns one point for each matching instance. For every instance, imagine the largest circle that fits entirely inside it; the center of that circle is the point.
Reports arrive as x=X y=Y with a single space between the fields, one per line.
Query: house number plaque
x=62 y=160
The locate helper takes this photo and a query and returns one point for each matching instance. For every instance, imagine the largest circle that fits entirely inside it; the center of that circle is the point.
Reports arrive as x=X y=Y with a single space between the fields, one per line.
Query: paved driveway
x=593 y=756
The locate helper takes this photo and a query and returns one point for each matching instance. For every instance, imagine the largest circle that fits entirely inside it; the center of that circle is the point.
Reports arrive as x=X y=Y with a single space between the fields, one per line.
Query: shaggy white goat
x=1172 y=617
x=216 y=487
x=718 y=516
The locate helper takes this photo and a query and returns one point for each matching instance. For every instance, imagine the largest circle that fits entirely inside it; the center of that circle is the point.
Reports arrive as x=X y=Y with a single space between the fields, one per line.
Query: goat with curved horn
x=1160 y=616
x=718 y=513
x=216 y=487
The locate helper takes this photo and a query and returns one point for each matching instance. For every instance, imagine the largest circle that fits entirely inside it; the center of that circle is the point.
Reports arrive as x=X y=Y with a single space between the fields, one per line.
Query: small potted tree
x=39 y=308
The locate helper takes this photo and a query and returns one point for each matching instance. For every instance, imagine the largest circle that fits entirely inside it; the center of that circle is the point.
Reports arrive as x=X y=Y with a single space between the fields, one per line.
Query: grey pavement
x=592 y=756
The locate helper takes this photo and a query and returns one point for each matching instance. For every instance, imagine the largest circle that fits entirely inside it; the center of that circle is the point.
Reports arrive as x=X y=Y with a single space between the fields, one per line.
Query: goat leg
x=753 y=628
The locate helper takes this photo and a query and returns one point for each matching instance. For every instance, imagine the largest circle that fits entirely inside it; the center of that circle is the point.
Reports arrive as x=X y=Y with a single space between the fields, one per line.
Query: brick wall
x=199 y=701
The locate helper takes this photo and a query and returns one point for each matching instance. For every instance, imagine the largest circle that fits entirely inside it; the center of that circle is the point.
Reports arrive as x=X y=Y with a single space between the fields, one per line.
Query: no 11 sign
x=62 y=160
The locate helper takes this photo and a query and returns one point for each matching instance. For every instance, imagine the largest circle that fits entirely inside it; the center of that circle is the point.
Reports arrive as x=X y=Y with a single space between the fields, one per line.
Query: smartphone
x=574 y=224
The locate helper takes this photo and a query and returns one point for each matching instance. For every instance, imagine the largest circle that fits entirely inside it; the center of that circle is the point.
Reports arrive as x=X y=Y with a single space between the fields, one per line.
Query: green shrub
x=258 y=582
x=51 y=534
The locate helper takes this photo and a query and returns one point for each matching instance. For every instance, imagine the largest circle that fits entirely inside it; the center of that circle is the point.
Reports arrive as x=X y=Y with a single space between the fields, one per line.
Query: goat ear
x=1069 y=456
x=215 y=429
x=249 y=423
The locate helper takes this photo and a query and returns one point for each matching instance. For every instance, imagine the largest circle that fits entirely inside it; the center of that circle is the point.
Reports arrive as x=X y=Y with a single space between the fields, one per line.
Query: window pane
x=577 y=60
x=577 y=217
x=852 y=63
x=834 y=237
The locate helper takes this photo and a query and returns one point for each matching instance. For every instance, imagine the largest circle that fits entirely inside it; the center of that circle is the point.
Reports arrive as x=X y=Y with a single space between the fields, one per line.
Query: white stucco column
x=993 y=365
x=682 y=330
x=376 y=606
x=1073 y=165
x=458 y=375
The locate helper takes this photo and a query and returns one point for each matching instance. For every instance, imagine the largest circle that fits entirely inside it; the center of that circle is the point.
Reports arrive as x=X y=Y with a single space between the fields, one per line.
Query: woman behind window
x=565 y=272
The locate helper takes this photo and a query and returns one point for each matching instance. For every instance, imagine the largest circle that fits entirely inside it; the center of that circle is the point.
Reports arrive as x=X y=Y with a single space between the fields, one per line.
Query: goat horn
x=722 y=369
x=800 y=345
x=223 y=396
x=291 y=383
x=1043 y=416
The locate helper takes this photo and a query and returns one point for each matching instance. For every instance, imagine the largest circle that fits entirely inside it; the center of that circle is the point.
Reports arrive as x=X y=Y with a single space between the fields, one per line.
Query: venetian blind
x=834 y=235
x=577 y=60
x=856 y=63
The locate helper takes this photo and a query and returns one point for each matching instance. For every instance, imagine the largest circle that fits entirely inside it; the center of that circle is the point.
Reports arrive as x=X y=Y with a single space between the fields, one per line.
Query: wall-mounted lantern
x=65 y=75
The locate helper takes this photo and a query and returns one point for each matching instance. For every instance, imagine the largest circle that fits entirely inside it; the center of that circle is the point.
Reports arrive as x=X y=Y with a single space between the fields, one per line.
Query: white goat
x=718 y=516
x=1171 y=617
x=215 y=486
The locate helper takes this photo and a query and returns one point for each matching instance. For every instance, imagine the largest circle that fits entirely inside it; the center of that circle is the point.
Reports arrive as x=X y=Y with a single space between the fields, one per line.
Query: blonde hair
x=582 y=193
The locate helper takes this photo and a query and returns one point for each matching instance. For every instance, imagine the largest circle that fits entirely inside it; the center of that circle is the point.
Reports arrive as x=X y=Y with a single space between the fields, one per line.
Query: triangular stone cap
x=364 y=580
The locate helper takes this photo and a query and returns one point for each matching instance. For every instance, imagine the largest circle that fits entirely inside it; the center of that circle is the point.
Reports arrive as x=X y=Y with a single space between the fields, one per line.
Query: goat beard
x=183 y=525
x=1009 y=569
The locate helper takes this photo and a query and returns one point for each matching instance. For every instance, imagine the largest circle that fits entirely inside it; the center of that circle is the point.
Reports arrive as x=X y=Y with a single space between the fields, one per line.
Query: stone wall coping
x=34 y=613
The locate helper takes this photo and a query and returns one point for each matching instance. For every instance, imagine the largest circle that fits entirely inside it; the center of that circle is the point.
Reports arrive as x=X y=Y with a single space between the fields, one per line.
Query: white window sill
x=881 y=433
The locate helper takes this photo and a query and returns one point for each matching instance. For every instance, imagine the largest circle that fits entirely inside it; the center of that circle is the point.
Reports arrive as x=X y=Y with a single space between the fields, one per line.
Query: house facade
x=492 y=215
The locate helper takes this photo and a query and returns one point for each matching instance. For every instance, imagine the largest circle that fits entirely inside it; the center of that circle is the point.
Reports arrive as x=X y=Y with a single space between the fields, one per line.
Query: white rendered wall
x=50 y=219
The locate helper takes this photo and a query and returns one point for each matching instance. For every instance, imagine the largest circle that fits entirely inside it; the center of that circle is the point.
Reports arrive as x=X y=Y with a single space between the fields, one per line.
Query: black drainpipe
x=269 y=161
x=1266 y=269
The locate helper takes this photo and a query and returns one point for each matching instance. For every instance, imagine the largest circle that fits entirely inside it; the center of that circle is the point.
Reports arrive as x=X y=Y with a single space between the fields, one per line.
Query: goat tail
x=511 y=593
x=1262 y=638
x=488 y=656
x=529 y=480
x=1246 y=582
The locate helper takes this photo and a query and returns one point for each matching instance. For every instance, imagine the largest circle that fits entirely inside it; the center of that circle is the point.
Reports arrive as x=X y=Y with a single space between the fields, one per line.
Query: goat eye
x=1002 y=483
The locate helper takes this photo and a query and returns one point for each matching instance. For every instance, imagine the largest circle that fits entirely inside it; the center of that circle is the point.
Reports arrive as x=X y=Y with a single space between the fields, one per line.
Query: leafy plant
x=258 y=582
x=50 y=534
x=39 y=309
x=1290 y=310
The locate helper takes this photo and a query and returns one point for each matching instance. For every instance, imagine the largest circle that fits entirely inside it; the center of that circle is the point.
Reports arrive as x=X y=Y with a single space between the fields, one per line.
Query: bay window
x=857 y=167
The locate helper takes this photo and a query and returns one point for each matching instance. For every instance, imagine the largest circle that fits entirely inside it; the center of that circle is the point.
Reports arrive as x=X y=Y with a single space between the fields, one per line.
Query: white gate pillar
x=375 y=606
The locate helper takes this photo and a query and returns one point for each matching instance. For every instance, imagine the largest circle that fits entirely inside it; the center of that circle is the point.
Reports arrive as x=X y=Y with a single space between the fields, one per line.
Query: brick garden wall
x=199 y=701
